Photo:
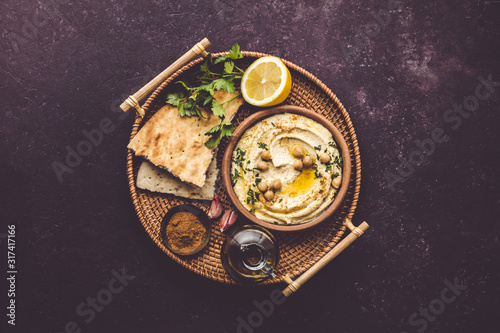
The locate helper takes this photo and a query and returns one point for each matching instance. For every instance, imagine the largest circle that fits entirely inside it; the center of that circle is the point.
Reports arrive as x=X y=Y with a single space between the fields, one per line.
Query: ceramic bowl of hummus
x=286 y=168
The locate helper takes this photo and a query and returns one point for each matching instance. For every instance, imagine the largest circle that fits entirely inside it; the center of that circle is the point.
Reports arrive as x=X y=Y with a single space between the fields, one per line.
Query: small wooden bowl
x=339 y=139
x=200 y=214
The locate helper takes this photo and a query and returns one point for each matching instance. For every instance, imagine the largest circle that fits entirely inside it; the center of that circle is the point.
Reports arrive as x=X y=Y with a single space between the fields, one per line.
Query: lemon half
x=266 y=82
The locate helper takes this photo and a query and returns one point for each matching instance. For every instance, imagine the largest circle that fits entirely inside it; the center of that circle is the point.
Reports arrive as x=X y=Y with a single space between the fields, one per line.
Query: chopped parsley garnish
x=252 y=210
x=259 y=169
x=332 y=144
x=250 y=197
x=336 y=174
x=322 y=181
x=257 y=181
x=317 y=147
x=235 y=176
x=338 y=161
x=273 y=124
x=317 y=174
x=262 y=145
x=328 y=167
x=240 y=156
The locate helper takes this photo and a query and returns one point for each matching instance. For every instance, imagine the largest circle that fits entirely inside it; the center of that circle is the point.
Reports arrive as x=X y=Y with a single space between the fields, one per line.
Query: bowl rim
x=200 y=214
x=257 y=116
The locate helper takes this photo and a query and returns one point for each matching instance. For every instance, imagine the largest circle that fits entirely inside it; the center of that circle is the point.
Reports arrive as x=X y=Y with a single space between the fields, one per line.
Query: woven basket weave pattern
x=298 y=250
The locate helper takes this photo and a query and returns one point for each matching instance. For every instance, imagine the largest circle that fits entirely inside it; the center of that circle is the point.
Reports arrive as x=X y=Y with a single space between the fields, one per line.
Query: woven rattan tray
x=298 y=250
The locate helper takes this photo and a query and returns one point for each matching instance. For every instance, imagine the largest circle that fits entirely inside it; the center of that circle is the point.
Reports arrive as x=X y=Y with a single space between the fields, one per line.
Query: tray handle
x=356 y=232
x=133 y=100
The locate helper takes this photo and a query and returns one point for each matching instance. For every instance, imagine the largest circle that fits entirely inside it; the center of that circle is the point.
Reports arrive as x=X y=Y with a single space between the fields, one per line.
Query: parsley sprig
x=198 y=92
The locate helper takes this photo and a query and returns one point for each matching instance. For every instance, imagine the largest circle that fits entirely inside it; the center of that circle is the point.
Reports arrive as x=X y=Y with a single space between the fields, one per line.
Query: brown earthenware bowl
x=247 y=123
x=200 y=214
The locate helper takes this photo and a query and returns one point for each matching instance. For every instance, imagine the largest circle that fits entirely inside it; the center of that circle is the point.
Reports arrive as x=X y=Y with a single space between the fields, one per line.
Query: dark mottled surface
x=440 y=223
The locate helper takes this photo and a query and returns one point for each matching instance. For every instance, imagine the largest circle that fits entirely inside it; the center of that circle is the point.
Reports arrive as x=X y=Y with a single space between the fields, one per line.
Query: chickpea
x=298 y=152
x=325 y=158
x=308 y=161
x=276 y=185
x=298 y=165
x=262 y=187
x=265 y=155
x=336 y=182
x=269 y=195
x=262 y=165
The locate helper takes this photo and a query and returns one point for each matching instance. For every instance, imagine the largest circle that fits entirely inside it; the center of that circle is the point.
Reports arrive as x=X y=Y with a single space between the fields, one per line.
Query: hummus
x=304 y=194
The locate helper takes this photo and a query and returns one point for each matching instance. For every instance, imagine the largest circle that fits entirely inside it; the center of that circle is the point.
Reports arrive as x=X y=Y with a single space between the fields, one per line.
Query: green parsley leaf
x=217 y=109
x=228 y=66
x=224 y=84
x=180 y=108
x=213 y=141
x=214 y=129
x=207 y=88
x=235 y=53
x=227 y=129
x=175 y=98
x=200 y=87
x=206 y=64
x=317 y=147
x=208 y=101
x=219 y=60
x=217 y=133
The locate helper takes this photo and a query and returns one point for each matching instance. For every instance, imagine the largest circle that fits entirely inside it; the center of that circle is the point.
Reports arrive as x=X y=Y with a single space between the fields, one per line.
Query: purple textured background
x=440 y=224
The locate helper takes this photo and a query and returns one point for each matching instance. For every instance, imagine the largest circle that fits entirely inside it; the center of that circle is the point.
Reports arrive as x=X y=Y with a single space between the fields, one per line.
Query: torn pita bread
x=177 y=144
x=155 y=179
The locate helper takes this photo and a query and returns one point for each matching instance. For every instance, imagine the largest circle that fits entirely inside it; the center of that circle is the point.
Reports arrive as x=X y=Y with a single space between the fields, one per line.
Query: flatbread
x=155 y=179
x=177 y=144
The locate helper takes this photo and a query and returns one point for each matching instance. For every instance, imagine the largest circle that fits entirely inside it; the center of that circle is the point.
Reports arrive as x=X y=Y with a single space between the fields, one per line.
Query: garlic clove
x=215 y=208
x=228 y=219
